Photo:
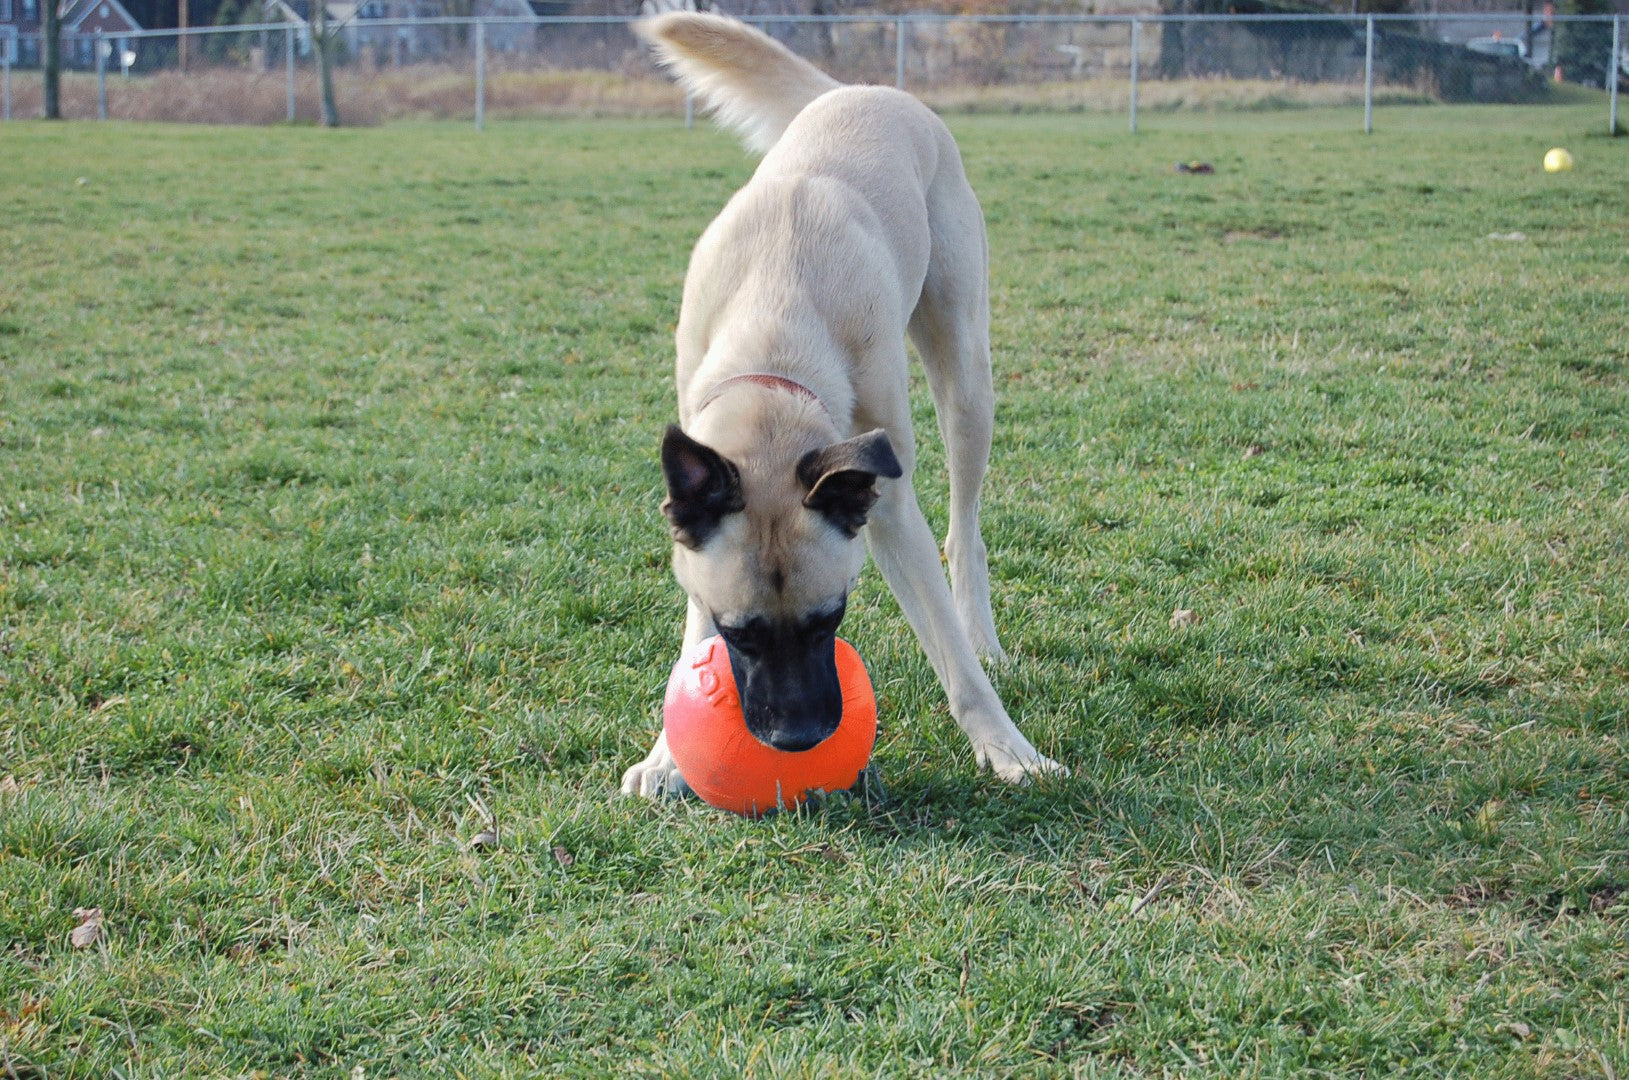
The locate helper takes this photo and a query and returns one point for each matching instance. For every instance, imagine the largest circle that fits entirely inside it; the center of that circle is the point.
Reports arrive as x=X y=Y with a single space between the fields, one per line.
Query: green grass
x=328 y=533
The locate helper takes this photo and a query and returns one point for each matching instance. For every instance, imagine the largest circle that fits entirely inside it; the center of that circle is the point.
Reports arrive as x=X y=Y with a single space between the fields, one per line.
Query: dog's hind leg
x=951 y=329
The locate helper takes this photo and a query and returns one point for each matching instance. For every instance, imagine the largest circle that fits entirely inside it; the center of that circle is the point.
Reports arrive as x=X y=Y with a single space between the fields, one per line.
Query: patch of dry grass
x=365 y=97
x=447 y=92
x=1198 y=95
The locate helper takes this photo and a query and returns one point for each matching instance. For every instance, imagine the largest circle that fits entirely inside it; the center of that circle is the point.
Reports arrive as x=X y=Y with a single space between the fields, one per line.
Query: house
x=18 y=17
x=20 y=32
x=88 y=21
x=378 y=30
x=82 y=21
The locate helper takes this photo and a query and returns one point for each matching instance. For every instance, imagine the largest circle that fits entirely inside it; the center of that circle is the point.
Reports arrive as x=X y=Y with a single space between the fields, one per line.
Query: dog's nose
x=797 y=740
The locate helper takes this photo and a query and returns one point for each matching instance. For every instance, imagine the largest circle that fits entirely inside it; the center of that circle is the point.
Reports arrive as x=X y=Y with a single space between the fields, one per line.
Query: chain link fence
x=507 y=66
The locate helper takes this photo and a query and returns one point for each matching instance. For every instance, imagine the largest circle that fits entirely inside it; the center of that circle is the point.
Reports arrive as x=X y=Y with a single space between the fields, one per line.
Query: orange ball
x=725 y=763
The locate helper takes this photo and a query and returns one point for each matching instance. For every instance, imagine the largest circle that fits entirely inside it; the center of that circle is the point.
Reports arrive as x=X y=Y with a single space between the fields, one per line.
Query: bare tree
x=51 y=63
x=323 y=39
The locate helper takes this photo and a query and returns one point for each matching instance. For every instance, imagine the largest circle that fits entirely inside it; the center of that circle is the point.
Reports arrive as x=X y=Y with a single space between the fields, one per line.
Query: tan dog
x=794 y=432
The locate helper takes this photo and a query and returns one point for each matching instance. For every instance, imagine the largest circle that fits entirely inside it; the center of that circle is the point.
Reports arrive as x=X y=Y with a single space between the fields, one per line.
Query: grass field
x=328 y=540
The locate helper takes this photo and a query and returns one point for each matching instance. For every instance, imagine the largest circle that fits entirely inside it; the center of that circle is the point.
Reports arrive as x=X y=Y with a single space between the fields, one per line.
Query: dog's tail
x=751 y=83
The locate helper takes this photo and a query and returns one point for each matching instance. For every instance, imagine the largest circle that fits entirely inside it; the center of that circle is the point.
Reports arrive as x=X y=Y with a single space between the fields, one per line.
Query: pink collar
x=762 y=378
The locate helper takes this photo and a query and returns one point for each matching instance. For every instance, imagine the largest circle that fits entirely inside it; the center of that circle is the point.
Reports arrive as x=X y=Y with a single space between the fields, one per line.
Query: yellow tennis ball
x=1557 y=160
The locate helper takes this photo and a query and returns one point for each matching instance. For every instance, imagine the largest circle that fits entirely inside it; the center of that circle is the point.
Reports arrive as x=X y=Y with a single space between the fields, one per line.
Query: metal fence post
x=1368 y=76
x=480 y=75
x=1136 y=63
x=288 y=64
x=689 y=110
x=101 y=75
x=5 y=85
x=899 y=53
x=1612 y=75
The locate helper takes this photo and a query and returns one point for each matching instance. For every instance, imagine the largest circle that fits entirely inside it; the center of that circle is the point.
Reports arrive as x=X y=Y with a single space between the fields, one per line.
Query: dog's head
x=766 y=541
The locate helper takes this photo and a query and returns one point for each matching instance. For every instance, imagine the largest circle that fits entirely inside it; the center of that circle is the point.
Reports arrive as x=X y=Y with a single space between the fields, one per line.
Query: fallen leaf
x=9 y=786
x=1520 y=1030
x=1184 y=617
x=486 y=838
x=89 y=929
x=1255 y=449
x=562 y=856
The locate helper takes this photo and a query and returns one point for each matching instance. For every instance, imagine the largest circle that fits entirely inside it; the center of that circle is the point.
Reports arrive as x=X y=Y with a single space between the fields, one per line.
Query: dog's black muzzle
x=786 y=676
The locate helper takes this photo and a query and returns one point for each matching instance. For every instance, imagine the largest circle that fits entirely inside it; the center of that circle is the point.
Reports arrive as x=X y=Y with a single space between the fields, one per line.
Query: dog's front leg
x=904 y=549
x=658 y=775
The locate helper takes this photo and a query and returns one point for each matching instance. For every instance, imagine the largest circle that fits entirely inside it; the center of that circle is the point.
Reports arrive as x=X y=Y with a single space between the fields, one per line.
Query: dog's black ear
x=702 y=486
x=842 y=478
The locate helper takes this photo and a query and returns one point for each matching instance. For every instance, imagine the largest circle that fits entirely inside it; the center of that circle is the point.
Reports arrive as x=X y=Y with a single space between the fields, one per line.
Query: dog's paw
x=1016 y=763
x=657 y=777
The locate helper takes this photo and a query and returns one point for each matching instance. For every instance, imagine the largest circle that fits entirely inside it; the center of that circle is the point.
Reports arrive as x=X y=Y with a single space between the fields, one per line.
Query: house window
x=5 y=10
x=106 y=11
x=31 y=10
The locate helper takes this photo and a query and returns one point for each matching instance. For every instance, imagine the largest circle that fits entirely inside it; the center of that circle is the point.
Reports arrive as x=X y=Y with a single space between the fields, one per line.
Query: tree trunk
x=324 y=43
x=51 y=63
x=1581 y=49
